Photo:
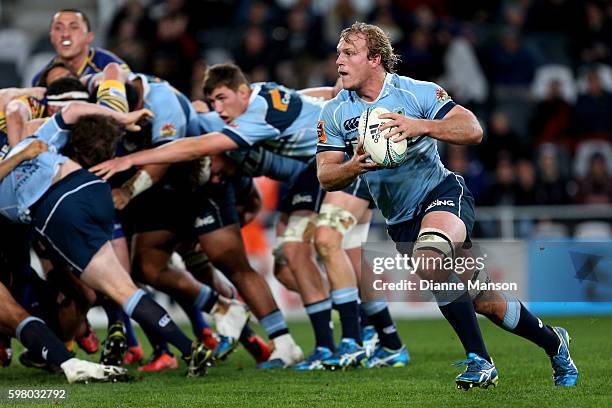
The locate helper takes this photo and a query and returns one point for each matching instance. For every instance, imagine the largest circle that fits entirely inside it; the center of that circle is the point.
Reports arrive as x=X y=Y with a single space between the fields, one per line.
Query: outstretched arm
x=185 y=149
x=73 y=111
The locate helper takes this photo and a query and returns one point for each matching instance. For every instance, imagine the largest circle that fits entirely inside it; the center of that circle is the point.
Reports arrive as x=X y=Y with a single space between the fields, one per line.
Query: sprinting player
x=63 y=201
x=412 y=196
x=71 y=37
x=279 y=120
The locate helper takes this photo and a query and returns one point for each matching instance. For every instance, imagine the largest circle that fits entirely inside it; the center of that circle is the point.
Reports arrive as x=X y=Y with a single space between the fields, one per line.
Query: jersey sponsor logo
x=321 y=132
x=301 y=198
x=163 y=322
x=441 y=95
x=351 y=124
x=200 y=222
x=167 y=130
x=437 y=203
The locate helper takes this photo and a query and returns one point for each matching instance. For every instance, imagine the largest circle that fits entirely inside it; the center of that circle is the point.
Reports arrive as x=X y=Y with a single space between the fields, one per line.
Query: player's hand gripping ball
x=384 y=152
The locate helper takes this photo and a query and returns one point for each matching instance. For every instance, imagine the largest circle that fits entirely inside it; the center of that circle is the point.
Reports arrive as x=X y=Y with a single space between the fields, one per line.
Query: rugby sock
x=520 y=321
x=34 y=334
x=381 y=318
x=364 y=319
x=132 y=340
x=461 y=315
x=246 y=333
x=346 y=302
x=206 y=299
x=320 y=318
x=142 y=308
x=196 y=318
x=112 y=309
x=274 y=324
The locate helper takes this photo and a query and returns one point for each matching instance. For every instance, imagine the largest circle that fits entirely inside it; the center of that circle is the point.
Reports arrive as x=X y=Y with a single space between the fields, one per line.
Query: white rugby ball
x=383 y=151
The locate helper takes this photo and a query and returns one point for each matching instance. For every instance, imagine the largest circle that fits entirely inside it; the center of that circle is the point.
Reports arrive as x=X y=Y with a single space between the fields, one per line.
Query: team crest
x=167 y=130
x=441 y=95
x=321 y=132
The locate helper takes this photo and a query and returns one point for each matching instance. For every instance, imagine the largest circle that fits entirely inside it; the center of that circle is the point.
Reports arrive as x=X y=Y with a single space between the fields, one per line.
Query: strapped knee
x=336 y=217
x=356 y=236
x=300 y=228
x=436 y=240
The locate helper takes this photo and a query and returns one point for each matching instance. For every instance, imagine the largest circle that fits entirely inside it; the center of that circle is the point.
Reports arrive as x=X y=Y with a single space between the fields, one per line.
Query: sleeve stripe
x=235 y=137
x=324 y=148
x=444 y=110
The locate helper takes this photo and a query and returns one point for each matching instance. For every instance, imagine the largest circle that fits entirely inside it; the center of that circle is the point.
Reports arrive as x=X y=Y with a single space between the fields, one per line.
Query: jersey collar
x=383 y=92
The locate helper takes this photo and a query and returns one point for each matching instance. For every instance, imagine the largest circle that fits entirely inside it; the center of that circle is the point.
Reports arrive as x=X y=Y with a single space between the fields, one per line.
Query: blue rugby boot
x=370 y=340
x=313 y=361
x=478 y=373
x=224 y=348
x=349 y=355
x=384 y=357
x=565 y=372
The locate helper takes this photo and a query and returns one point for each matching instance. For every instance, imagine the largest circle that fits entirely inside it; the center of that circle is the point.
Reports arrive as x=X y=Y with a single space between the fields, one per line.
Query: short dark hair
x=76 y=11
x=42 y=81
x=66 y=84
x=227 y=74
x=93 y=139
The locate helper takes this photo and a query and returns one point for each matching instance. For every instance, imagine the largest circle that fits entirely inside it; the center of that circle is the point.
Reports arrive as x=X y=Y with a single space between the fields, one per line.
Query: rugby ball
x=382 y=151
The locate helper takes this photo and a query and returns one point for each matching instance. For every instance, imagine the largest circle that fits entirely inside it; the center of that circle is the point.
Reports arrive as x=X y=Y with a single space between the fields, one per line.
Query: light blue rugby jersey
x=21 y=188
x=174 y=118
x=397 y=191
x=279 y=119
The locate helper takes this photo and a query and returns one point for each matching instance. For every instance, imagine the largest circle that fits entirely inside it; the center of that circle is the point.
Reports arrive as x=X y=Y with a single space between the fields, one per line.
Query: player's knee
x=430 y=252
x=327 y=241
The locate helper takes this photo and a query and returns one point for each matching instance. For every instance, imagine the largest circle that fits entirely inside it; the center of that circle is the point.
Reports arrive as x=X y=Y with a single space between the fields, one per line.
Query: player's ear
x=376 y=60
x=90 y=37
x=243 y=89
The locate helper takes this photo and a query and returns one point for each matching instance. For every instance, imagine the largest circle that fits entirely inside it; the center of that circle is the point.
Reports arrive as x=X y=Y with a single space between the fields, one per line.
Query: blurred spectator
x=500 y=140
x=384 y=16
x=596 y=186
x=254 y=55
x=176 y=49
x=511 y=63
x=471 y=170
x=551 y=16
x=525 y=183
x=592 y=112
x=551 y=119
x=463 y=76
x=419 y=59
x=593 y=41
x=551 y=186
x=503 y=190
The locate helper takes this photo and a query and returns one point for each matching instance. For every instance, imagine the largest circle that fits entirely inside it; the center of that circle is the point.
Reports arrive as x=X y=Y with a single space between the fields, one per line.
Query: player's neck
x=370 y=90
x=76 y=62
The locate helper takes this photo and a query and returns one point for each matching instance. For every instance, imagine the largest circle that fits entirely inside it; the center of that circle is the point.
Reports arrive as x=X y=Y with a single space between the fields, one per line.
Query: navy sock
x=387 y=332
x=246 y=334
x=34 y=334
x=346 y=302
x=364 y=319
x=462 y=317
x=113 y=311
x=520 y=321
x=132 y=340
x=147 y=313
x=274 y=324
x=320 y=318
x=198 y=324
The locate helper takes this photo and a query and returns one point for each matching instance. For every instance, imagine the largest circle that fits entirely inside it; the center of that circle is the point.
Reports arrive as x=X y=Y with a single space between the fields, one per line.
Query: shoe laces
x=473 y=363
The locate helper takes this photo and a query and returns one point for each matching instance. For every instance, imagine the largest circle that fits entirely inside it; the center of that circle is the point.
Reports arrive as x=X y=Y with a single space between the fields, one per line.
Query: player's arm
x=181 y=150
x=459 y=126
x=75 y=110
x=31 y=151
x=325 y=92
x=144 y=178
x=335 y=173
x=17 y=114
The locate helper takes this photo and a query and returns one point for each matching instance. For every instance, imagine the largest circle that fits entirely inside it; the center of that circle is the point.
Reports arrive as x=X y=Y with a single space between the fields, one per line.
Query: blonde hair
x=377 y=41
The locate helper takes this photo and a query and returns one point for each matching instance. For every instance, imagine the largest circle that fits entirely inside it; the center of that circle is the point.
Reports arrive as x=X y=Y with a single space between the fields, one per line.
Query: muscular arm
x=459 y=126
x=16 y=116
x=186 y=149
x=335 y=174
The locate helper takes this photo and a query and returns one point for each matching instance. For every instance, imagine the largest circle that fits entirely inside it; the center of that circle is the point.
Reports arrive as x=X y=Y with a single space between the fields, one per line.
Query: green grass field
x=525 y=376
